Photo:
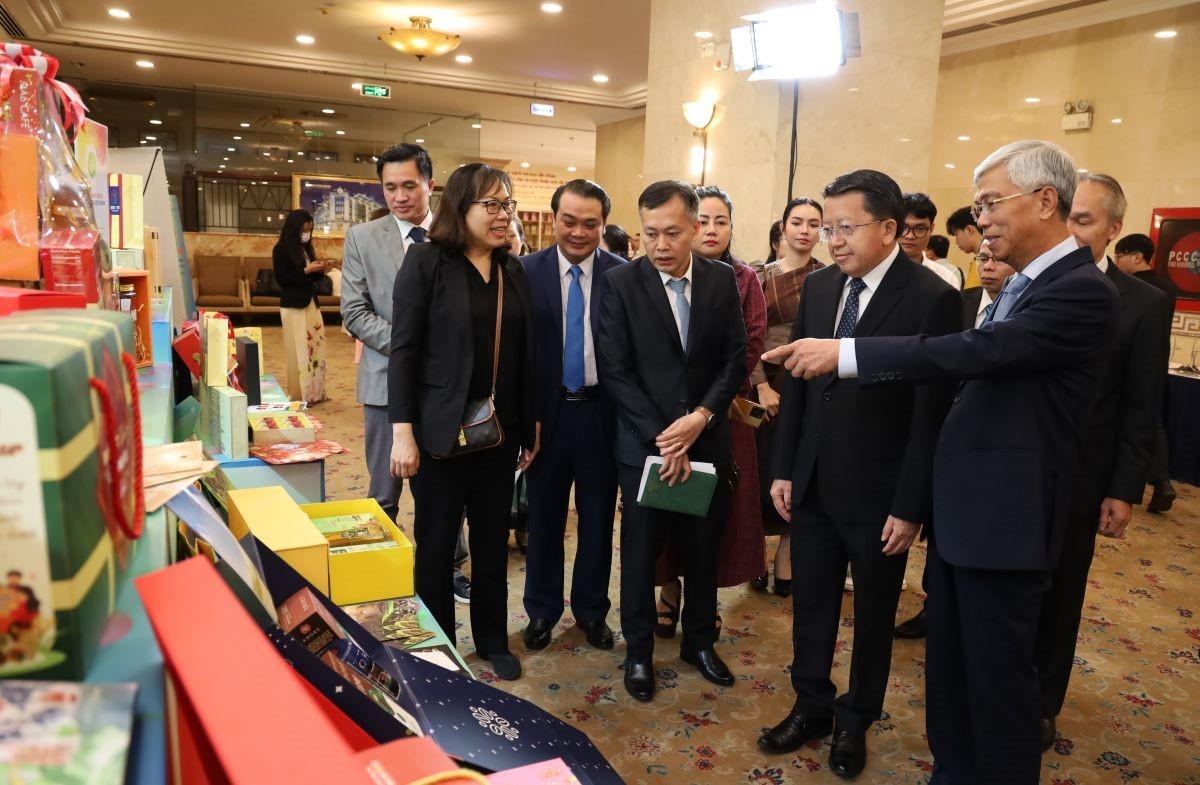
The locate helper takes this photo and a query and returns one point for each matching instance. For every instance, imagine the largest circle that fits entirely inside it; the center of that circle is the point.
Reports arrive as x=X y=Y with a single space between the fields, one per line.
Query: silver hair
x=1116 y=203
x=1035 y=163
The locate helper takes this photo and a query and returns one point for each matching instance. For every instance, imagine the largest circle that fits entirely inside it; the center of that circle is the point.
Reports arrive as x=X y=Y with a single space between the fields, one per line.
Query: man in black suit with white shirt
x=671 y=356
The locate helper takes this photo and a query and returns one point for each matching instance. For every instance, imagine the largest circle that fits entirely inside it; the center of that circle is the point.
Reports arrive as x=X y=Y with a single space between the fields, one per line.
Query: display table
x=1183 y=426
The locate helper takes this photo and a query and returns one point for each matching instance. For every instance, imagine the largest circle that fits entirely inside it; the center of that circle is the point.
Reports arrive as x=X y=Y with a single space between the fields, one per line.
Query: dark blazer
x=643 y=366
x=1009 y=445
x=1166 y=285
x=546 y=302
x=432 y=350
x=1118 y=441
x=970 y=306
x=298 y=288
x=873 y=445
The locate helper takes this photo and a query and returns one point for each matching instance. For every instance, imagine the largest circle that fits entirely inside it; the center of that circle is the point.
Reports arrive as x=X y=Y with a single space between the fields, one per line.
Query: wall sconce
x=700 y=115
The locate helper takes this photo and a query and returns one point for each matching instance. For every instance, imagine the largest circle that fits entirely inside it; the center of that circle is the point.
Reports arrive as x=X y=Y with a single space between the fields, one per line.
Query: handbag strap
x=499 y=315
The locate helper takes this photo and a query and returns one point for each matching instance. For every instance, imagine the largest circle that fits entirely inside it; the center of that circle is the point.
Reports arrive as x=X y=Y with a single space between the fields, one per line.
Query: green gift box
x=69 y=486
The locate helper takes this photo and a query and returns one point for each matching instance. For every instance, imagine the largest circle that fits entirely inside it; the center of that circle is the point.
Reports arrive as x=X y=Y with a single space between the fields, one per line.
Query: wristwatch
x=709 y=416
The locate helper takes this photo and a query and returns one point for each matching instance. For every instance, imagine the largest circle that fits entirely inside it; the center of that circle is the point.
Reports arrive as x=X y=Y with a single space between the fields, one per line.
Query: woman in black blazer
x=443 y=338
x=297 y=271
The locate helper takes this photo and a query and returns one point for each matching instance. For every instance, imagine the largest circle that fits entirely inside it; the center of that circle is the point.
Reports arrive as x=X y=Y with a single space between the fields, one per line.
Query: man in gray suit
x=371 y=259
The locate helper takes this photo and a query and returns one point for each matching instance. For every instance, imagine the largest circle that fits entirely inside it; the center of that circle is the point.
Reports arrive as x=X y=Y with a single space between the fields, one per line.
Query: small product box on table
x=368 y=572
x=282 y=428
x=281 y=525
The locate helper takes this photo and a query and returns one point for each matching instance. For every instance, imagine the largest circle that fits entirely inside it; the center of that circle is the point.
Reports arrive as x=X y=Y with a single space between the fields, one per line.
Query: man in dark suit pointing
x=672 y=357
x=566 y=282
x=1004 y=463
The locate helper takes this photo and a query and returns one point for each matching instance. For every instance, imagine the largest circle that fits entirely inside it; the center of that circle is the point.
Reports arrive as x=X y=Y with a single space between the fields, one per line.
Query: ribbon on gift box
x=74 y=110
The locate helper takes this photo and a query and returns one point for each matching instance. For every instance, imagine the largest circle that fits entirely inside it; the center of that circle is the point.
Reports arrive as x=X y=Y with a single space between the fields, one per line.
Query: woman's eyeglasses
x=493 y=206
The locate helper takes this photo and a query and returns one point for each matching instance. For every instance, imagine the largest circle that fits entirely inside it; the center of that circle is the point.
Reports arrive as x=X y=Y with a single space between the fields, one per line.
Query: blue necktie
x=1008 y=298
x=845 y=328
x=573 y=348
x=416 y=234
x=682 y=308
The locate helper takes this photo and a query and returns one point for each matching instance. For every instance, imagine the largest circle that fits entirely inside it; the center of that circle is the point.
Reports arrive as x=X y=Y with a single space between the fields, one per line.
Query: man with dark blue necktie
x=578 y=422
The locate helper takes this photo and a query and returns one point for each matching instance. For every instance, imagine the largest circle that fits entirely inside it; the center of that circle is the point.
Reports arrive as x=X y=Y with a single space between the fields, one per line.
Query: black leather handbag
x=480 y=429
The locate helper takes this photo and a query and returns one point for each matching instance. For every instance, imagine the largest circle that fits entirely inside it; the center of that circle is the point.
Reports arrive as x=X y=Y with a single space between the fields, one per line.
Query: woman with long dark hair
x=462 y=334
x=297 y=270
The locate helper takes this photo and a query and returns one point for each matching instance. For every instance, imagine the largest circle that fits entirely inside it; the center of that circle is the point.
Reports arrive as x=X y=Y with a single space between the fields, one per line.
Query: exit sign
x=376 y=91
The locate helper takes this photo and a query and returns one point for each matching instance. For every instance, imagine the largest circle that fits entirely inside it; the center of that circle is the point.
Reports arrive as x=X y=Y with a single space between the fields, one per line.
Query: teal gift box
x=70 y=485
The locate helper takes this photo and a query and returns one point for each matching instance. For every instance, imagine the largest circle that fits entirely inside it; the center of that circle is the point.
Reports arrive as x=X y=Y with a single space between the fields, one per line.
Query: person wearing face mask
x=740 y=548
x=782 y=279
x=462 y=331
x=297 y=270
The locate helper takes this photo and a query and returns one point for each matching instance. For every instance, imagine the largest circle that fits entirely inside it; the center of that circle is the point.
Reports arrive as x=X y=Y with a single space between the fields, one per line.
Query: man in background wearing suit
x=1133 y=255
x=672 y=356
x=566 y=282
x=847 y=502
x=1005 y=460
x=1118 y=439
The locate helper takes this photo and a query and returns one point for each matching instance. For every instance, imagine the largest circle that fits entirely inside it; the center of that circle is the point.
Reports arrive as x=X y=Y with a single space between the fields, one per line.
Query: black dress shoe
x=505 y=665
x=1163 y=497
x=537 y=634
x=760 y=583
x=598 y=633
x=639 y=680
x=708 y=663
x=783 y=586
x=913 y=628
x=793 y=733
x=848 y=755
x=1049 y=733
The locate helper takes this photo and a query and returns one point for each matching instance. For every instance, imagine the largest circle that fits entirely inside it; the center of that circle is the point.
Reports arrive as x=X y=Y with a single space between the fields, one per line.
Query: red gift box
x=69 y=262
x=13 y=299
x=19 y=125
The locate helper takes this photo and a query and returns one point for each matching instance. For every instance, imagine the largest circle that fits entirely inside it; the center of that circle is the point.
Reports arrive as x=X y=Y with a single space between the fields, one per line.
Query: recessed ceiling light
x=305 y=39
x=142 y=141
x=1032 y=100
x=570 y=168
x=524 y=164
x=463 y=58
x=552 y=8
x=151 y=138
x=964 y=138
x=156 y=122
x=477 y=125
x=1082 y=171
x=949 y=166
x=1165 y=34
x=327 y=110
x=291 y=160
x=144 y=64
x=599 y=78
x=226 y=158
x=220 y=166
x=905 y=139
x=118 y=13
x=244 y=125
x=852 y=90
x=237 y=138
x=231 y=149
x=1116 y=121
x=356 y=85
x=340 y=133
x=299 y=153
x=703 y=34
x=419 y=141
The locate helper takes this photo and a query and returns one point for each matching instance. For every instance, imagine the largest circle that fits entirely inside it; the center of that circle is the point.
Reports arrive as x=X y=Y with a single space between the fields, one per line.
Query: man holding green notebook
x=671 y=355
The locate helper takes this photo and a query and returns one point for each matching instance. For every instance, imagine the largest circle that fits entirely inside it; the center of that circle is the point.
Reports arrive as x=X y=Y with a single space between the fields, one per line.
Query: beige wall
x=839 y=129
x=619 y=150
x=1120 y=68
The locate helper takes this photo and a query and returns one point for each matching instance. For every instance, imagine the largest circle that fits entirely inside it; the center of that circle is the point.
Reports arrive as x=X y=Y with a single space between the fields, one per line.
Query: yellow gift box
x=365 y=575
x=281 y=525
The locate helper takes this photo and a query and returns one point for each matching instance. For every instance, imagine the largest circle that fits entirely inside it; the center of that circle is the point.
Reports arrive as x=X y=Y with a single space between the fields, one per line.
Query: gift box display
x=370 y=570
x=71 y=451
x=271 y=515
x=126 y=214
x=284 y=428
x=19 y=125
x=13 y=300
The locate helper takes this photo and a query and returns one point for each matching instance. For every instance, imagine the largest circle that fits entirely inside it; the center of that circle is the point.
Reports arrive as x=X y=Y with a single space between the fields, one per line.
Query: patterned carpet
x=1132 y=715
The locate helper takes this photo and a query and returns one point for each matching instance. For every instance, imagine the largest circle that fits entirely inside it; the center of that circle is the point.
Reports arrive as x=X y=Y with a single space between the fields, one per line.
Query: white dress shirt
x=945 y=272
x=872 y=281
x=587 y=267
x=1103 y=265
x=985 y=299
x=848 y=360
x=406 y=227
x=687 y=293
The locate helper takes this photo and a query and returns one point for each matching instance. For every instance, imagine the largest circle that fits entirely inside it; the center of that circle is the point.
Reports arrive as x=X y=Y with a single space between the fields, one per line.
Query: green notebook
x=689 y=498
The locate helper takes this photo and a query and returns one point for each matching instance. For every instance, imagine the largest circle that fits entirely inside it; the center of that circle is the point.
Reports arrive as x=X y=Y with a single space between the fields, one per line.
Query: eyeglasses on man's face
x=843 y=230
x=980 y=209
x=494 y=206
x=916 y=230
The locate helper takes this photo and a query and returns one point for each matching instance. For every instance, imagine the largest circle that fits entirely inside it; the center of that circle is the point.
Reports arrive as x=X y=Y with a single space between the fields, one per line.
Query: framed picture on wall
x=1176 y=235
x=336 y=203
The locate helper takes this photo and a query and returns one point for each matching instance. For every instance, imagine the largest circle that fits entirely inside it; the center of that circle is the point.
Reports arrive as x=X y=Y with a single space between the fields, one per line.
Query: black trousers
x=821 y=549
x=983 y=699
x=1061 y=609
x=1160 y=461
x=578 y=452
x=643 y=532
x=481 y=484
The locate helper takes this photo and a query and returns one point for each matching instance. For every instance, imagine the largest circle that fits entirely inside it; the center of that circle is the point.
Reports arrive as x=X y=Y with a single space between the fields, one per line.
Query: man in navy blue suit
x=578 y=421
x=1004 y=462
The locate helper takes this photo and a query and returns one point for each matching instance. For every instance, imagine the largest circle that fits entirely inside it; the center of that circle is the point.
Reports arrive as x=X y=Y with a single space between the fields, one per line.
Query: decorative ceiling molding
x=46 y=14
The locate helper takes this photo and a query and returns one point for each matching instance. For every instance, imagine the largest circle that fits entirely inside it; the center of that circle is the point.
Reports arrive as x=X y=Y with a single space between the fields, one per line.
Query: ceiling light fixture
x=340 y=133
x=420 y=40
x=151 y=138
x=1166 y=34
x=464 y=59
x=552 y=8
x=905 y=139
x=327 y=110
x=964 y=138
x=356 y=85
x=156 y=122
x=118 y=13
x=244 y=125
x=231 y=149
x=1116 y=121
x=524 y=164
x=144 y=64
x=220 y=166
x=307 y=40
x=419 y=141
x=477 y=126
x=291 y=160
x=226 y=158
x=948 y=166
x=143 y=141
x=1032 y=100
x=237 y=138
x=852 y=90
x=570 y=168
x=703 y=35
x=600 y=79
